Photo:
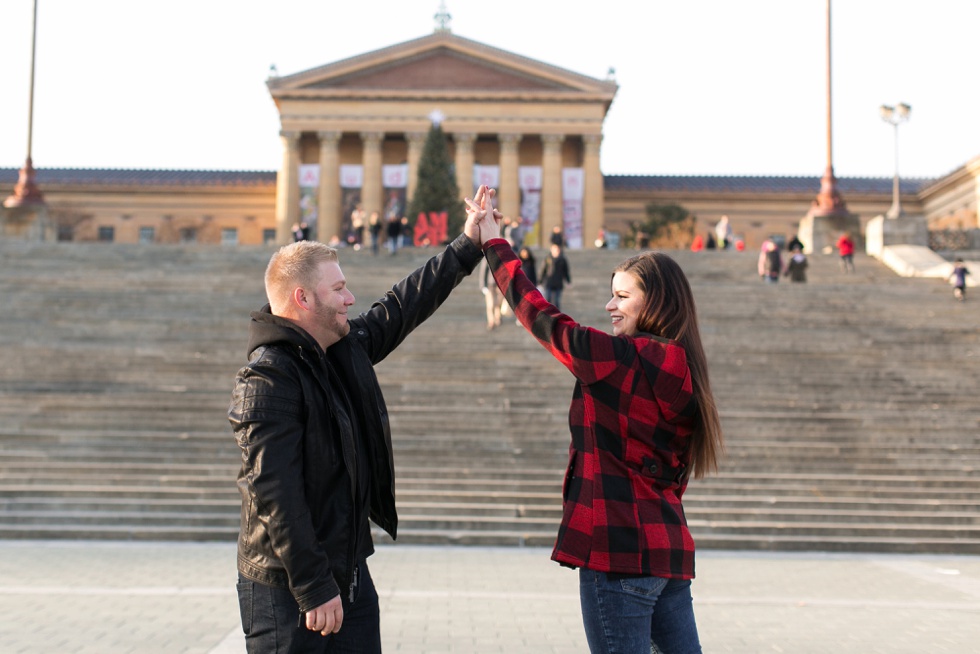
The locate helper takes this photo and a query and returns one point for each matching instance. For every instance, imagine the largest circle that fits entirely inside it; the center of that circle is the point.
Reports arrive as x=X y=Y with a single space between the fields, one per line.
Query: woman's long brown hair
x=669 y=312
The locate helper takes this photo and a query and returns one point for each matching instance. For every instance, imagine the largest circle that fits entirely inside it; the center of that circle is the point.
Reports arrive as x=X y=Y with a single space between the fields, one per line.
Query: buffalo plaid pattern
x=631 y=418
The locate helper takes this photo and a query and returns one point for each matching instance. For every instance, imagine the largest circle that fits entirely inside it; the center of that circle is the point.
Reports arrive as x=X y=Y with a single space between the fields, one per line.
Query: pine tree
x=435 y=189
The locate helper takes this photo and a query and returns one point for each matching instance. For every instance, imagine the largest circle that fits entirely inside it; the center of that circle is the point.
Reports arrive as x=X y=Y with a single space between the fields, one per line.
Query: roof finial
x=442 y=18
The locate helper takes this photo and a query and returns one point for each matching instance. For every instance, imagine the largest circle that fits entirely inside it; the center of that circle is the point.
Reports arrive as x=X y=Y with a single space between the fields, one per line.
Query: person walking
x=958 y=277
x=797 y=265
x=643 y=423
x=528 y=264
x=491 y=295
x=393 y=231
x=374 y=228
x=557 y=236
x=316 y=457
x=845 y=246
x=770 y=263
x=723 y=231
x=555 y=274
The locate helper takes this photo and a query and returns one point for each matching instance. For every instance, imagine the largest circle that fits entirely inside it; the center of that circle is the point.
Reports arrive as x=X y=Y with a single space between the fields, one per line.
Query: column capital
x=292 y=136
x=464 y=137
x=373 y=138
x=329 y=137
x=509 y=142
x=416 y=138
x=591 y=139
x=552 y=142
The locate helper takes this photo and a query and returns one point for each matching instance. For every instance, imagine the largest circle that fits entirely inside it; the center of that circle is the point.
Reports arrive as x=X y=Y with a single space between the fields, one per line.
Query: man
x=311 y=422
x=554 y=275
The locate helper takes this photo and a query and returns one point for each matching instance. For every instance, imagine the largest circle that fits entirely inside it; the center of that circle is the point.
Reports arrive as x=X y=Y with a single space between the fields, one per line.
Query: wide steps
x=849 y=403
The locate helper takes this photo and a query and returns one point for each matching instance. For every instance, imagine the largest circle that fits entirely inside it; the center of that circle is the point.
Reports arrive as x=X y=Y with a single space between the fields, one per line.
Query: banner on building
x=572 y=192
x=309 y=184
x=351 y=181
x=486 y=176
x=351 y=176
x=395 y=182
x=529 y=180
x=394 y=176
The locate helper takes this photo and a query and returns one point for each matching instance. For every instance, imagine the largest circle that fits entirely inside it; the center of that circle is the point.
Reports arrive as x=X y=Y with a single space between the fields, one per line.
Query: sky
x=706 y=87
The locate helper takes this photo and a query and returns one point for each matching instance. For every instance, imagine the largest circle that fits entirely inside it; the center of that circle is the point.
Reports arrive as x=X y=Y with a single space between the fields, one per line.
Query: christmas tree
x=436 y=193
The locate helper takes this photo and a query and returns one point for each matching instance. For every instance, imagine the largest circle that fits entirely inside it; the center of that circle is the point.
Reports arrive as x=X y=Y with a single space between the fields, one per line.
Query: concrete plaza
x=106 y=597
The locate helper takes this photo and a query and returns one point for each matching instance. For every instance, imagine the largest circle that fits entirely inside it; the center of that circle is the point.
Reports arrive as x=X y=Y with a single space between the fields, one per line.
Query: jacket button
x=653 y=468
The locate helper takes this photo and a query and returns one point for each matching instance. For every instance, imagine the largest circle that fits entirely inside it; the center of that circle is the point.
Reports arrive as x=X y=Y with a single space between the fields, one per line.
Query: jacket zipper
x=352 y=567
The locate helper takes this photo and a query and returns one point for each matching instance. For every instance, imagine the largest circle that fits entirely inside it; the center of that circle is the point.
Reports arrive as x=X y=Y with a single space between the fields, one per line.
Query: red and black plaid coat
x=631 y=418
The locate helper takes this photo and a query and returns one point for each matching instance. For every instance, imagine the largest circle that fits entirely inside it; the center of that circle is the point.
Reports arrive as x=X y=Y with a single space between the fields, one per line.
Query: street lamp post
x=26 y=192
x=895 y=116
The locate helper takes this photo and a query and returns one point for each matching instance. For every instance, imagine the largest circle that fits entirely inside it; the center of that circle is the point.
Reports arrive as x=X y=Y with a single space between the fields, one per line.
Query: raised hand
x=480 y=211
x=473 y=215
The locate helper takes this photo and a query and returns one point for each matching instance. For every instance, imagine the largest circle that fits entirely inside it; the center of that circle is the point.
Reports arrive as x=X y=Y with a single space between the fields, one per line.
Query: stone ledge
x=920 y=261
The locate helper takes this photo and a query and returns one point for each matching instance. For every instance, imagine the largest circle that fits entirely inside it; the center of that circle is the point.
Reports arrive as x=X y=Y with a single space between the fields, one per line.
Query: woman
x=528 y=265
x=770 y=263
x=643 y=422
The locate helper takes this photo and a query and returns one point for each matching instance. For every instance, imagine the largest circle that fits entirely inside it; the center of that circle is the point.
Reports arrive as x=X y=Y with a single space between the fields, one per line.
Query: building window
x=229 y=236
x=66 y=233
x=147 y=235
x=188 y=235
x=268 y=236
x=107 y=234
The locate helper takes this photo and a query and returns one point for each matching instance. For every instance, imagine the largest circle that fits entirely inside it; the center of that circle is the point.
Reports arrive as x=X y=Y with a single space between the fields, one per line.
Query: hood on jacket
x=665 y=363
x=268 y=329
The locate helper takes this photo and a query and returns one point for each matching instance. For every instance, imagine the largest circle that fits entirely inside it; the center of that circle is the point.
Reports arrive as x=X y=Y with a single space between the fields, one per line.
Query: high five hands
x=482 y=220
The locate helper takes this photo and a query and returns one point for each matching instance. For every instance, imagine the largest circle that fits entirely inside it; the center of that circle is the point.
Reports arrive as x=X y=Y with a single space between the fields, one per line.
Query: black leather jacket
x=301 y=519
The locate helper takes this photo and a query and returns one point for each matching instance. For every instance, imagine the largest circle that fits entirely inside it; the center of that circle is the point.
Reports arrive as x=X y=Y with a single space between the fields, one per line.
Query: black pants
x=270 y=617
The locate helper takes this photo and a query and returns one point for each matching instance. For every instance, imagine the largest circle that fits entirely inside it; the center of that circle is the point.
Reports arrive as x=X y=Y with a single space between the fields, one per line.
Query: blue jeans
x=629 y=615
x=553 y=296
x=272 y=621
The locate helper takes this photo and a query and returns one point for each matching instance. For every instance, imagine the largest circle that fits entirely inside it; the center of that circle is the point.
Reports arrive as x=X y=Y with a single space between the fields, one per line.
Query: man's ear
x=301 y=299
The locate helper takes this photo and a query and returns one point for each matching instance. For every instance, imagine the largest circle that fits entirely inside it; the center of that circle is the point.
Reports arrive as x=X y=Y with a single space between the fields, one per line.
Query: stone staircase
x=850 y=404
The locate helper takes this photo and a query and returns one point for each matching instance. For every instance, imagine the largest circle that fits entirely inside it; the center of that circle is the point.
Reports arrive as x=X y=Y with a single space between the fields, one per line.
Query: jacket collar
x=268 y=329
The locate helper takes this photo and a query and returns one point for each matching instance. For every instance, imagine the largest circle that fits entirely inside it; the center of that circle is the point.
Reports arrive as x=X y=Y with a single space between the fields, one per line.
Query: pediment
x=440 y=69
x=441 y=63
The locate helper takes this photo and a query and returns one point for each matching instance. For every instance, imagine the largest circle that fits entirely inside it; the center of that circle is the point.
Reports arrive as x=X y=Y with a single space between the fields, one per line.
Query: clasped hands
x=482 y=220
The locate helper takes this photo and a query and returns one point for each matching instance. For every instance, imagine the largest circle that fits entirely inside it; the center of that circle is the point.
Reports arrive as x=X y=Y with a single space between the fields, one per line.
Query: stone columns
x=509 y=199
x=416 y=143
x=287 y=187
x=464 y=163
x=328 y=200
x=371 y=191
x=593 y=208
x=975 y=169
x=551 y=204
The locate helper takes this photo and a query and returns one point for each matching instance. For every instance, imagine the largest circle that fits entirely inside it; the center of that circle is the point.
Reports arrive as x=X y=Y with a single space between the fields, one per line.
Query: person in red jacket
x=845 y=246
x=643 y=422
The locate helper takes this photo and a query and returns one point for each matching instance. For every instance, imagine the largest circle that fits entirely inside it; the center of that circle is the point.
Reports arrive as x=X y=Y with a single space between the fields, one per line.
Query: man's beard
x=328 y=319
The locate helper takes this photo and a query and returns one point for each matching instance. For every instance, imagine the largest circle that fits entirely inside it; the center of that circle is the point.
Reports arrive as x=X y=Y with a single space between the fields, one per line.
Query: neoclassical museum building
x=352 y=133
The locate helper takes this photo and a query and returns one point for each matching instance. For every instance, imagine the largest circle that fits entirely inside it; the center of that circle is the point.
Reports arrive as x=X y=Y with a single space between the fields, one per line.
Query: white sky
x=706 y=86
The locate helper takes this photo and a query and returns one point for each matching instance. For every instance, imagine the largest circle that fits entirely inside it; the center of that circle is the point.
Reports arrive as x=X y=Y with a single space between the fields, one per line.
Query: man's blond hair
x=294 y=265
